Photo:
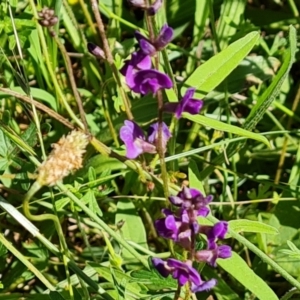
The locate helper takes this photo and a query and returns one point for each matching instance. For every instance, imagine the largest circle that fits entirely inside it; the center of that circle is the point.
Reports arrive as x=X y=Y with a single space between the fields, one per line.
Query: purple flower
x=192 y=203
x=172 y=227
x=148 y=81
x=210 y=256
x=153 y=134
x=138 y=61
x=134 y=139
x=213 y=233
x=96 y=50
x=183 y=272
x=150 y=48
x=186 y=104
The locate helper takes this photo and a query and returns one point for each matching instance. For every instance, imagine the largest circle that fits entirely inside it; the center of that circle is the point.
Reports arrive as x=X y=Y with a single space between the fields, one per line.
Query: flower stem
x=160 y=103
x=72 y=81
x=110 y=59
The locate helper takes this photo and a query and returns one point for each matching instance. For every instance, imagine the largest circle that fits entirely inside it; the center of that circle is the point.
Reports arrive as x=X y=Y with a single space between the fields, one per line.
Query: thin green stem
x=110 y=59
x=72 y=81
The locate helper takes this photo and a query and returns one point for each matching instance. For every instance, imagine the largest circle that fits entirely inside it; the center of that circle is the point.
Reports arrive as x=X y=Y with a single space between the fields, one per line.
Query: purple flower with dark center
x=186 y=104
x=134 y=139
x=153 y=135
x=148 y=81
x=162 y=40
x=210 y=256
x=183 y=272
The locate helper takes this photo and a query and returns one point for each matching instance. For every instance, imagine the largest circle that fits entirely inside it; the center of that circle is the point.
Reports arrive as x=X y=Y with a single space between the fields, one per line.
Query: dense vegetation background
x=92 y=234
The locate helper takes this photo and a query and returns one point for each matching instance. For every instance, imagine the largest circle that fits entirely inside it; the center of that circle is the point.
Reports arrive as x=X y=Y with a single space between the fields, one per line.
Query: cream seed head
x=65 y=158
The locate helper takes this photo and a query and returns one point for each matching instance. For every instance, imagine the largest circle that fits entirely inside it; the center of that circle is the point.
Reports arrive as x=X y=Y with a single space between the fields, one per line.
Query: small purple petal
x=184 y=272
x=160 y=266
x=186 y=104
x=211 y=256
x=153 y=135
x=218 y=231
x=164 y=37
x=96 y=50
x=152 y=10
x=204 y=286
x=145 y=44
x=193 y=106
x=150 y=81
x=176 y=200
x=224 y=251
x=168 y=227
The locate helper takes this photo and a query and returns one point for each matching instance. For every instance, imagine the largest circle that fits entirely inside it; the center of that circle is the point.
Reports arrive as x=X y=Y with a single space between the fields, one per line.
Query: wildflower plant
x=123 y=151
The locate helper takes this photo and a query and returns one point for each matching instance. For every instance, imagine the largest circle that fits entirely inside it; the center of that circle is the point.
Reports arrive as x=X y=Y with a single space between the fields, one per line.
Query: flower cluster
x=139 y=75
x=182 y=227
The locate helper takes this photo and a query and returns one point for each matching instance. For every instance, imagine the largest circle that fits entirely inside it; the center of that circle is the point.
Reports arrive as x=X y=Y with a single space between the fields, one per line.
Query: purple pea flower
x=150 y=48
x=186 y=104
x=213 y=233
x=192 y=204
x=153 y=134
x=138 y=61
x=148 y=81
x=210 y=256
x=172 y=227
x=183 y=272
x=134 y=139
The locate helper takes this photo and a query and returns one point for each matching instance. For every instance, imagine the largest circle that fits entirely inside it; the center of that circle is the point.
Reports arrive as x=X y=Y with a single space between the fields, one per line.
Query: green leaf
x=251 y=226
x=215 y=124
x=133 y=228
x=194 y=176
x=210 y=74
x=263 y=102
x=273 y=90
x=238 y=268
